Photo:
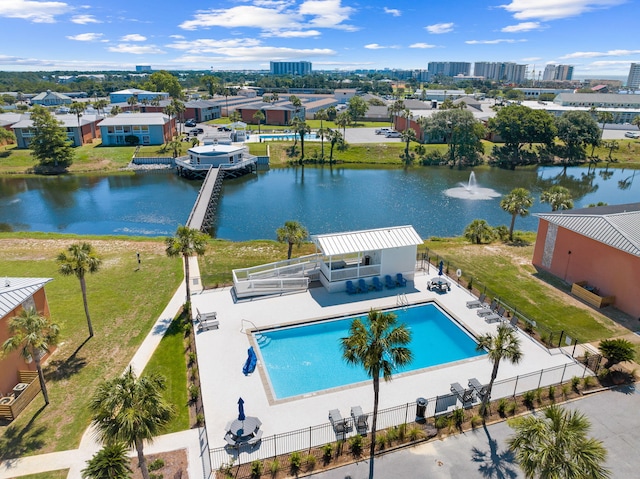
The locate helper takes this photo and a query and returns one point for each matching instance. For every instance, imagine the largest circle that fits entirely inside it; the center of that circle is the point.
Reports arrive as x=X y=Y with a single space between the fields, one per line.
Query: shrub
x=552 y=393
x=476 y=421
x=200 y=419
x=511 y=408
x=295 y=461
x=528 y=398
x=441 y=422
x=616 y=351
x=355 y=444
x=381 y=440
x=538 y=395
x=194 y=392
x=587 y=382
x=274 y=467
x=256 y=469
x=327 y=453
x=153 y=475
x=392 y=435
x=565 y=391
x=502 y=406
x=402 y=432
x=310 y=461
x=415 y=433
x=192 y=358
x=157 y=464
x=575 y=383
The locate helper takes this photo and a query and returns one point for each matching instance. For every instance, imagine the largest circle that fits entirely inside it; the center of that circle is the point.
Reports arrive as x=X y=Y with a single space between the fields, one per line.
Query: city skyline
x=72 y=35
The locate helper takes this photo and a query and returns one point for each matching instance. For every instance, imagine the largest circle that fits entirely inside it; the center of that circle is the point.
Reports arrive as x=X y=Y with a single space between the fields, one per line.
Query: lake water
x=323 y=199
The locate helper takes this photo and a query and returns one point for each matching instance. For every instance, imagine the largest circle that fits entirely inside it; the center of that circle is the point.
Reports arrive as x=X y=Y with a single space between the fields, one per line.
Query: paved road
x=483 y=453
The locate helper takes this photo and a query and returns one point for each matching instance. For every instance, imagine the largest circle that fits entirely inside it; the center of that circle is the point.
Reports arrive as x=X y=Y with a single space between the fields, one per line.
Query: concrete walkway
x=75 y=460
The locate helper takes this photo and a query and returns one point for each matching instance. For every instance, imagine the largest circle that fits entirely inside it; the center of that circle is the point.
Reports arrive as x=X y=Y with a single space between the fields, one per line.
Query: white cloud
x=292 y=34
x=135 y=49
x=555 y=9
x=392 y=11
x=532 y=59
x=493 y=42
x=439 y=28
x=210 y=45
x=84 y=19
x=177 y=37
x=133 y=37
x=522 y=27
x=275 y=16
x=375 y=46
x=37 y=12
x=87 y=37
x=253 y=54
x=421 y=45
x=610 y=53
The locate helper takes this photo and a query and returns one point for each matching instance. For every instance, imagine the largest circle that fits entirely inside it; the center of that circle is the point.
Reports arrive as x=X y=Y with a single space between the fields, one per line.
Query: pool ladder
x=401 y=300
x=261 y=339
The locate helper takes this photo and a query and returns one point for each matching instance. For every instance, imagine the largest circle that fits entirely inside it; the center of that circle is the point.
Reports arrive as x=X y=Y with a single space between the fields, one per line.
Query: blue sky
x=598 y=37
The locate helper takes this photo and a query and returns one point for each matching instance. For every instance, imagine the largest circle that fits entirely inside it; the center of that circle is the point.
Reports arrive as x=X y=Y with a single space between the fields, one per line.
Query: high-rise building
x=500 y=71
x=558 y=72
x=290 y=68
x=143 y=68
x=448 y=69
x=634 y=76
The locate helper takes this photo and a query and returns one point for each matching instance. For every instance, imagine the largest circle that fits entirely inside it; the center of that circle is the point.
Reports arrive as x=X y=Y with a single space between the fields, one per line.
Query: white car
x=393 y=134
x=382 y=131
x=632 y=134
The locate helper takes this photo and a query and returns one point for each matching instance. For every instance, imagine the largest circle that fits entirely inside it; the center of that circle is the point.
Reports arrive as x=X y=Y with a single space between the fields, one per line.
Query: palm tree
x=32 y=334
x=343 y=120
x=408 y=136
x=110 y=462
x=558 y=197
x=130 y=410
x=555 y=446
x=636 y=121
x=504 y=345
x=132 y=101
x=335 y=137
x=259 y=117
x=302 y=129
x=235 y=116
x=378 y=344
x=186 y=242
x=179 y=109
x=175 y=145
x=100 y=105
x=80 y=259
x=395 y=108
x=115 y=110
x=479 y=231
x=78 y=108
x=516 y=203
x=322 y=115
x=292 y=233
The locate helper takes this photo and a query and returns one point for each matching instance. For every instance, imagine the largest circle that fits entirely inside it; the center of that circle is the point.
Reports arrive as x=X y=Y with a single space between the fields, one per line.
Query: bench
x=579 y=290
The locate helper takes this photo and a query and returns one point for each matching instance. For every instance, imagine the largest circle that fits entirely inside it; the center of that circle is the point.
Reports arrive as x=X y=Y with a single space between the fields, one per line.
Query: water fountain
x=471 y=190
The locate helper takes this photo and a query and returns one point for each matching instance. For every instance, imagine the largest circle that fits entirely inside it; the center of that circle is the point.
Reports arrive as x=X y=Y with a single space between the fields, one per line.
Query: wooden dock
x=203 y=212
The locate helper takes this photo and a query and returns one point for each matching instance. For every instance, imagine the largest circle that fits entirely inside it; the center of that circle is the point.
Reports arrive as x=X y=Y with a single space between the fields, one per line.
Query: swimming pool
x=288 y=137
x=308 y=358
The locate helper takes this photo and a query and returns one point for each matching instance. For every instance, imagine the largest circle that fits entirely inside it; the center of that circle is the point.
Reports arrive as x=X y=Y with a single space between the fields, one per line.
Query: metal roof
x=14 y=292
x=617 y=226
x=133 y=119
x=367 y=240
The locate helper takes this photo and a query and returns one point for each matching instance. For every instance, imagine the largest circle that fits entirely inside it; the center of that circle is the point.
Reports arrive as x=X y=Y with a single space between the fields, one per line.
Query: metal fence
x=310 y=439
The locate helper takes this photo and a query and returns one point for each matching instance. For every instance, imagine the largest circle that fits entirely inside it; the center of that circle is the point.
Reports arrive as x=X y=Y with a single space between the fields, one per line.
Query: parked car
x=200 y=130
x=382 y=131
x=393 y=134
x=224 y=128
x=632 y=134
x=190 y=123
x=194 y=131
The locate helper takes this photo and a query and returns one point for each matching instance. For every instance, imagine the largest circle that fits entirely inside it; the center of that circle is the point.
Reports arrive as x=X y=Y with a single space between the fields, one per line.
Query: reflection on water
x=323 y=199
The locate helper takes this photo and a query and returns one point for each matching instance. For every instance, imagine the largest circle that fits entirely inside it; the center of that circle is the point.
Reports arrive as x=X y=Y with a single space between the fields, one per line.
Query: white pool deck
x=222 y=353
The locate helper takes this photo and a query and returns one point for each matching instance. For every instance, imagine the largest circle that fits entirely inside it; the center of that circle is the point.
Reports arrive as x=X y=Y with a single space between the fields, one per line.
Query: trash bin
x=421 y=408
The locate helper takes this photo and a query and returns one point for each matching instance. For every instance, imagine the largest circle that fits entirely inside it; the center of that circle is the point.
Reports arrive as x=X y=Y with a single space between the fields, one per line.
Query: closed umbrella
x=241 y=416
x=440 y=268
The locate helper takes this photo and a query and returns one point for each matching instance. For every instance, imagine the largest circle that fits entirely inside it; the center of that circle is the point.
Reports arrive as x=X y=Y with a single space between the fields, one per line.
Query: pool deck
x=222 y=353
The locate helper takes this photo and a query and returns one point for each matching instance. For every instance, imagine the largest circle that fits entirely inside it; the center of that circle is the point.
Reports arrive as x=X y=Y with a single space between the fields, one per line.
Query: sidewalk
x=75 y=460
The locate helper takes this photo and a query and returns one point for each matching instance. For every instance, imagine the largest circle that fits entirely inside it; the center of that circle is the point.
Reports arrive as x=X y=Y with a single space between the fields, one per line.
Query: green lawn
x=61 y=474
x=507 y=272
x=124 y=304
x=168 y=361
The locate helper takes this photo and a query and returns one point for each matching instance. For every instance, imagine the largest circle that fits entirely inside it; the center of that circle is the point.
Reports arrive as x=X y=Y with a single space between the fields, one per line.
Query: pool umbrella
x=440 y=268
x=241 y=410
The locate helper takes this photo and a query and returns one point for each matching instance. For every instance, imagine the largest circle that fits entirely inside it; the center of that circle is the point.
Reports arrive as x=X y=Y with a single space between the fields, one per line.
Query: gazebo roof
x=367 y=240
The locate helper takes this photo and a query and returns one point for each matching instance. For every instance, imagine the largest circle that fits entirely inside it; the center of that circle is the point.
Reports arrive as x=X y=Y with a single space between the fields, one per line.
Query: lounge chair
x=400 y=281
x=377 y=285
x=484 y=312
x=359 y=419
x=492 y=317
x=351 y=289
x=207 y=324
x=389 y=282
x=339 y=424
x=205 y=316
x=480 y=389
x=476 y=303
x=465 y=395
x=514 y=322
x=362 y=286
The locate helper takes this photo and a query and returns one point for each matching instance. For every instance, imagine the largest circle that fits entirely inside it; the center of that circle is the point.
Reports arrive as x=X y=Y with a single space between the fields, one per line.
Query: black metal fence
x=309 y=440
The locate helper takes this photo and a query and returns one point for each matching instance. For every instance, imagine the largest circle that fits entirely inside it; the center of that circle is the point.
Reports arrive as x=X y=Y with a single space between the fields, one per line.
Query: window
x=28 y=304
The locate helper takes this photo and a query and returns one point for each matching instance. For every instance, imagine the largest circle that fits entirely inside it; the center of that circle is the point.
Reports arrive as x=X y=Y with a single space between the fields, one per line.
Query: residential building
x=290 y=68
x=79 y=131
x=141 y=95
x=51 y=98
x=501 y=71
x=448 y=69
x=558 y=73
x=633 y=81
x=343 y=95
x=17 y=294
x=279 y=113
x=534 y=93
x=598 y=245
x=150 y=128
x=623 y=107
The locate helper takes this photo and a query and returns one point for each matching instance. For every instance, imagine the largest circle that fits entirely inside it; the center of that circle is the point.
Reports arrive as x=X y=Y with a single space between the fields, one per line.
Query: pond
x=324 y=199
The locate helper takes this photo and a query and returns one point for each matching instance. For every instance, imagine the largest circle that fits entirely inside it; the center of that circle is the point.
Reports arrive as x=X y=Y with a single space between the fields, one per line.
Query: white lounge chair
x=338 y=423
x=359 y=419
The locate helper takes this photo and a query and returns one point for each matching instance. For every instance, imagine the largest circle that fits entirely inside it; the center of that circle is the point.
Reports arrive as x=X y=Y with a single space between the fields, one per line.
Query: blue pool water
x=308 y=358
